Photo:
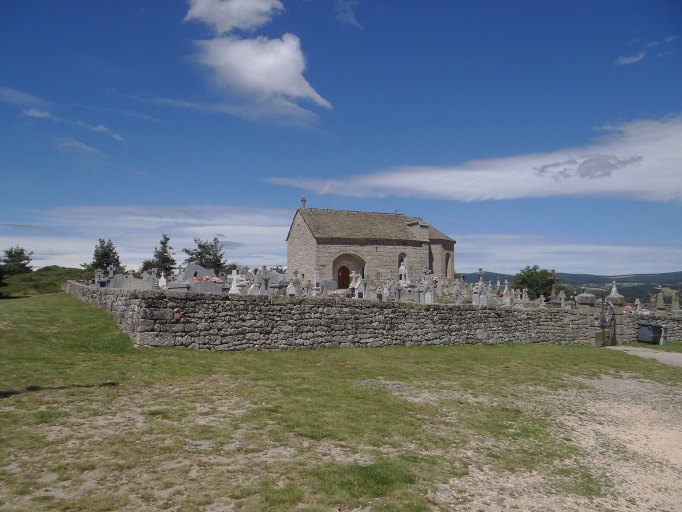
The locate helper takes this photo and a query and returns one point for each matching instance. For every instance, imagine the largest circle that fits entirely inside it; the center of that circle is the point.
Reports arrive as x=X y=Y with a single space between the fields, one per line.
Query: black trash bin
x=649 y=332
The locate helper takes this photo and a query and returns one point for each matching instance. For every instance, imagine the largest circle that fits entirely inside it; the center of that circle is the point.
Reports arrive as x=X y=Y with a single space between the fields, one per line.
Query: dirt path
x=630 y=435
x=674 y=358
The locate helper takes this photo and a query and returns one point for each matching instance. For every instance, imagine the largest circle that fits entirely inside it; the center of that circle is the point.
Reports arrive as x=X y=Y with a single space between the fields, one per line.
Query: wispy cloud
x=643 y=53
x=284 y=111
x=345 y=12
x=256 y=236
x=251 y=236
x=641 y=160
x=39 y=114
x=22 y=99
x=574 y=256
x=264 y=76
x=75 y=145
x=625 y=60
x=226 y=15
x=100 y=128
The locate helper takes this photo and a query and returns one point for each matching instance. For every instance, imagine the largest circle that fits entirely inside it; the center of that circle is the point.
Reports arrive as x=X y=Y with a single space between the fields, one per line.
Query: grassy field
x=49 y=279
x=87 y=422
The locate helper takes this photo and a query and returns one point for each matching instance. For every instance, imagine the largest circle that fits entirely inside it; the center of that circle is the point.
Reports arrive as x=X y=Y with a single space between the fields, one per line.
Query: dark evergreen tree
x=163 y=259
x=105 y=254
x=207 y=254
x=16 y=261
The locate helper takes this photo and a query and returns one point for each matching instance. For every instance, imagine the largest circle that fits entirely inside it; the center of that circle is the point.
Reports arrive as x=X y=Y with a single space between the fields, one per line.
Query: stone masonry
x=234 y=322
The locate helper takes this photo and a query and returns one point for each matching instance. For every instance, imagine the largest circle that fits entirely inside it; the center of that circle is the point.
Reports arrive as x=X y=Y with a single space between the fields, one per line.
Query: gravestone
x=234 y=289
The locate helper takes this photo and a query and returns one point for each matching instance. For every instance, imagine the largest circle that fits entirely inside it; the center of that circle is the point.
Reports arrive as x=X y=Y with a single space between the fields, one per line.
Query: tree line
x=207 y=253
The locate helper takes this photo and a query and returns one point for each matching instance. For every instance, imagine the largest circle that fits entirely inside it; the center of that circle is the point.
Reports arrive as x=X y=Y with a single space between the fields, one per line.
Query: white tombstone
x=162 y=281
x=506 y=294
x=234 y=289
x=291 y=290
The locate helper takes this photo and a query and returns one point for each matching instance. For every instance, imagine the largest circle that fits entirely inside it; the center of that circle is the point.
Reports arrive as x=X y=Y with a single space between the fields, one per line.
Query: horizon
x=532 y=133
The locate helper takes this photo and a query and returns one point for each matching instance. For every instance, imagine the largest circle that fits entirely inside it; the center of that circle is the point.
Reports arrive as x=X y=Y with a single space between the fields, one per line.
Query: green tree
x=163 y=259
x=17 y=261
x=2 y=278
x=536 y=280
x=207 y=254
x=105 y=254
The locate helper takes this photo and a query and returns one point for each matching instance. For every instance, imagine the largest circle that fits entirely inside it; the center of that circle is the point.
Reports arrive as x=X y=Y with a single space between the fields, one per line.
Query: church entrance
x=343 y=267
x=343 y=277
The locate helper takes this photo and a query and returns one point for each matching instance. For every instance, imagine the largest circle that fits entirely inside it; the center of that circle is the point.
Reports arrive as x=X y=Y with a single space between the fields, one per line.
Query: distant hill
x=664 y=279
x=632 y=286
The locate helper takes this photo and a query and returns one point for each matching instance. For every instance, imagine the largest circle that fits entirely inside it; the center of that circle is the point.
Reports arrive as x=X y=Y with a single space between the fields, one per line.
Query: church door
x=343 y=277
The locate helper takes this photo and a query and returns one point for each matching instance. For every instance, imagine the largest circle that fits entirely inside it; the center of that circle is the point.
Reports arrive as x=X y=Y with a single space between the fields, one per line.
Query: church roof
x=353 y=225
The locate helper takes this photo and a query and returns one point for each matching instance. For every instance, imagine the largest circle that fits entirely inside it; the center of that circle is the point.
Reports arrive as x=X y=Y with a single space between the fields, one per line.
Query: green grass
x=49 y=279
x=90 y=423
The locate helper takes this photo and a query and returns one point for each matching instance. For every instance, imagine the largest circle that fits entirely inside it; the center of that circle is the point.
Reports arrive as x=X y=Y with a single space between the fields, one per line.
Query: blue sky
x=532 y=132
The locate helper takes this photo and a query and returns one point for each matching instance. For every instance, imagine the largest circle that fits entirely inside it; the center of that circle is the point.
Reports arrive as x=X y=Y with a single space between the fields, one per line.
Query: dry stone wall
x=229 y=322
x=630 y=326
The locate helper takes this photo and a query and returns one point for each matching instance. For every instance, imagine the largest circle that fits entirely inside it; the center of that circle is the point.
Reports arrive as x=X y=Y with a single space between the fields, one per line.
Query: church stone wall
x=301 y=251
x=439 y=251
x=225 y=322
x=380 y=257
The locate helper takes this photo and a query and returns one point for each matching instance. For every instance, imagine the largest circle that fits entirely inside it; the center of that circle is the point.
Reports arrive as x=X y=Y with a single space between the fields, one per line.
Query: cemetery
x=357 y=298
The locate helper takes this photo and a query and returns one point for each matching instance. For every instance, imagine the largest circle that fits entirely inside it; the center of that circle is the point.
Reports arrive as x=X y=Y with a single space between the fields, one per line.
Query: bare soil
x=630 y=432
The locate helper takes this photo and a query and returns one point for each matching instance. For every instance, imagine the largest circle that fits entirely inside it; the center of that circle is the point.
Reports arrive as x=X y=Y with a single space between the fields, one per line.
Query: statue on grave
x=402 y=272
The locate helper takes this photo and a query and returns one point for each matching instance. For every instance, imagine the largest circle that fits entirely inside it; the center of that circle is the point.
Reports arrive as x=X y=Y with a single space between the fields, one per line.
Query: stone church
x=336 y=243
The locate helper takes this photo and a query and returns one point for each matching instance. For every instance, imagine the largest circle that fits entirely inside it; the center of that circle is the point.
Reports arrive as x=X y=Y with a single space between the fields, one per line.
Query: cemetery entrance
x=606 y=323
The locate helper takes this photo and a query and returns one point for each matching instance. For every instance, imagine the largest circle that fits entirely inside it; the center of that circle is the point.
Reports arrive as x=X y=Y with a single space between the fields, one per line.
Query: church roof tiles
x=354 y=225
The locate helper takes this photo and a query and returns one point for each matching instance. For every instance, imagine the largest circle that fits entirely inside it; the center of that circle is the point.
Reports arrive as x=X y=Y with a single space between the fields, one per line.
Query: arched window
x=447 y=264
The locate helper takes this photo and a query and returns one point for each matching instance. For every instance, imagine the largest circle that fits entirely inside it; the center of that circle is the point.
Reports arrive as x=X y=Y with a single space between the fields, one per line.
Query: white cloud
x=640 y=159
x=625 y=60
x=39 y=114
x=100 y=128
x=67 y=236
x=509 y=253
x=21 y=99
x=345 y=12
x=226 y=15
x=262 y=69
x=73 y=144
x=266 y=75
x=256 y=236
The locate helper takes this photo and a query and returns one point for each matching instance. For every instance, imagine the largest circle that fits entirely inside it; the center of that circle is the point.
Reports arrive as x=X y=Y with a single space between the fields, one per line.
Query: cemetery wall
x=630 y=326
x=235 y=322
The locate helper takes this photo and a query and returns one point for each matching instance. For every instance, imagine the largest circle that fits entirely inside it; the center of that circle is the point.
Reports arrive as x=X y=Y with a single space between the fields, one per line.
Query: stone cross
x=234 y=290
x=111 y=269
x=660 y=304
x=562 y=298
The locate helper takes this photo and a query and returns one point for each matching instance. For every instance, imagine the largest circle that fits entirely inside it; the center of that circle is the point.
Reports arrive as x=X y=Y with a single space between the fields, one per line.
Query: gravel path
x=674 y=358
